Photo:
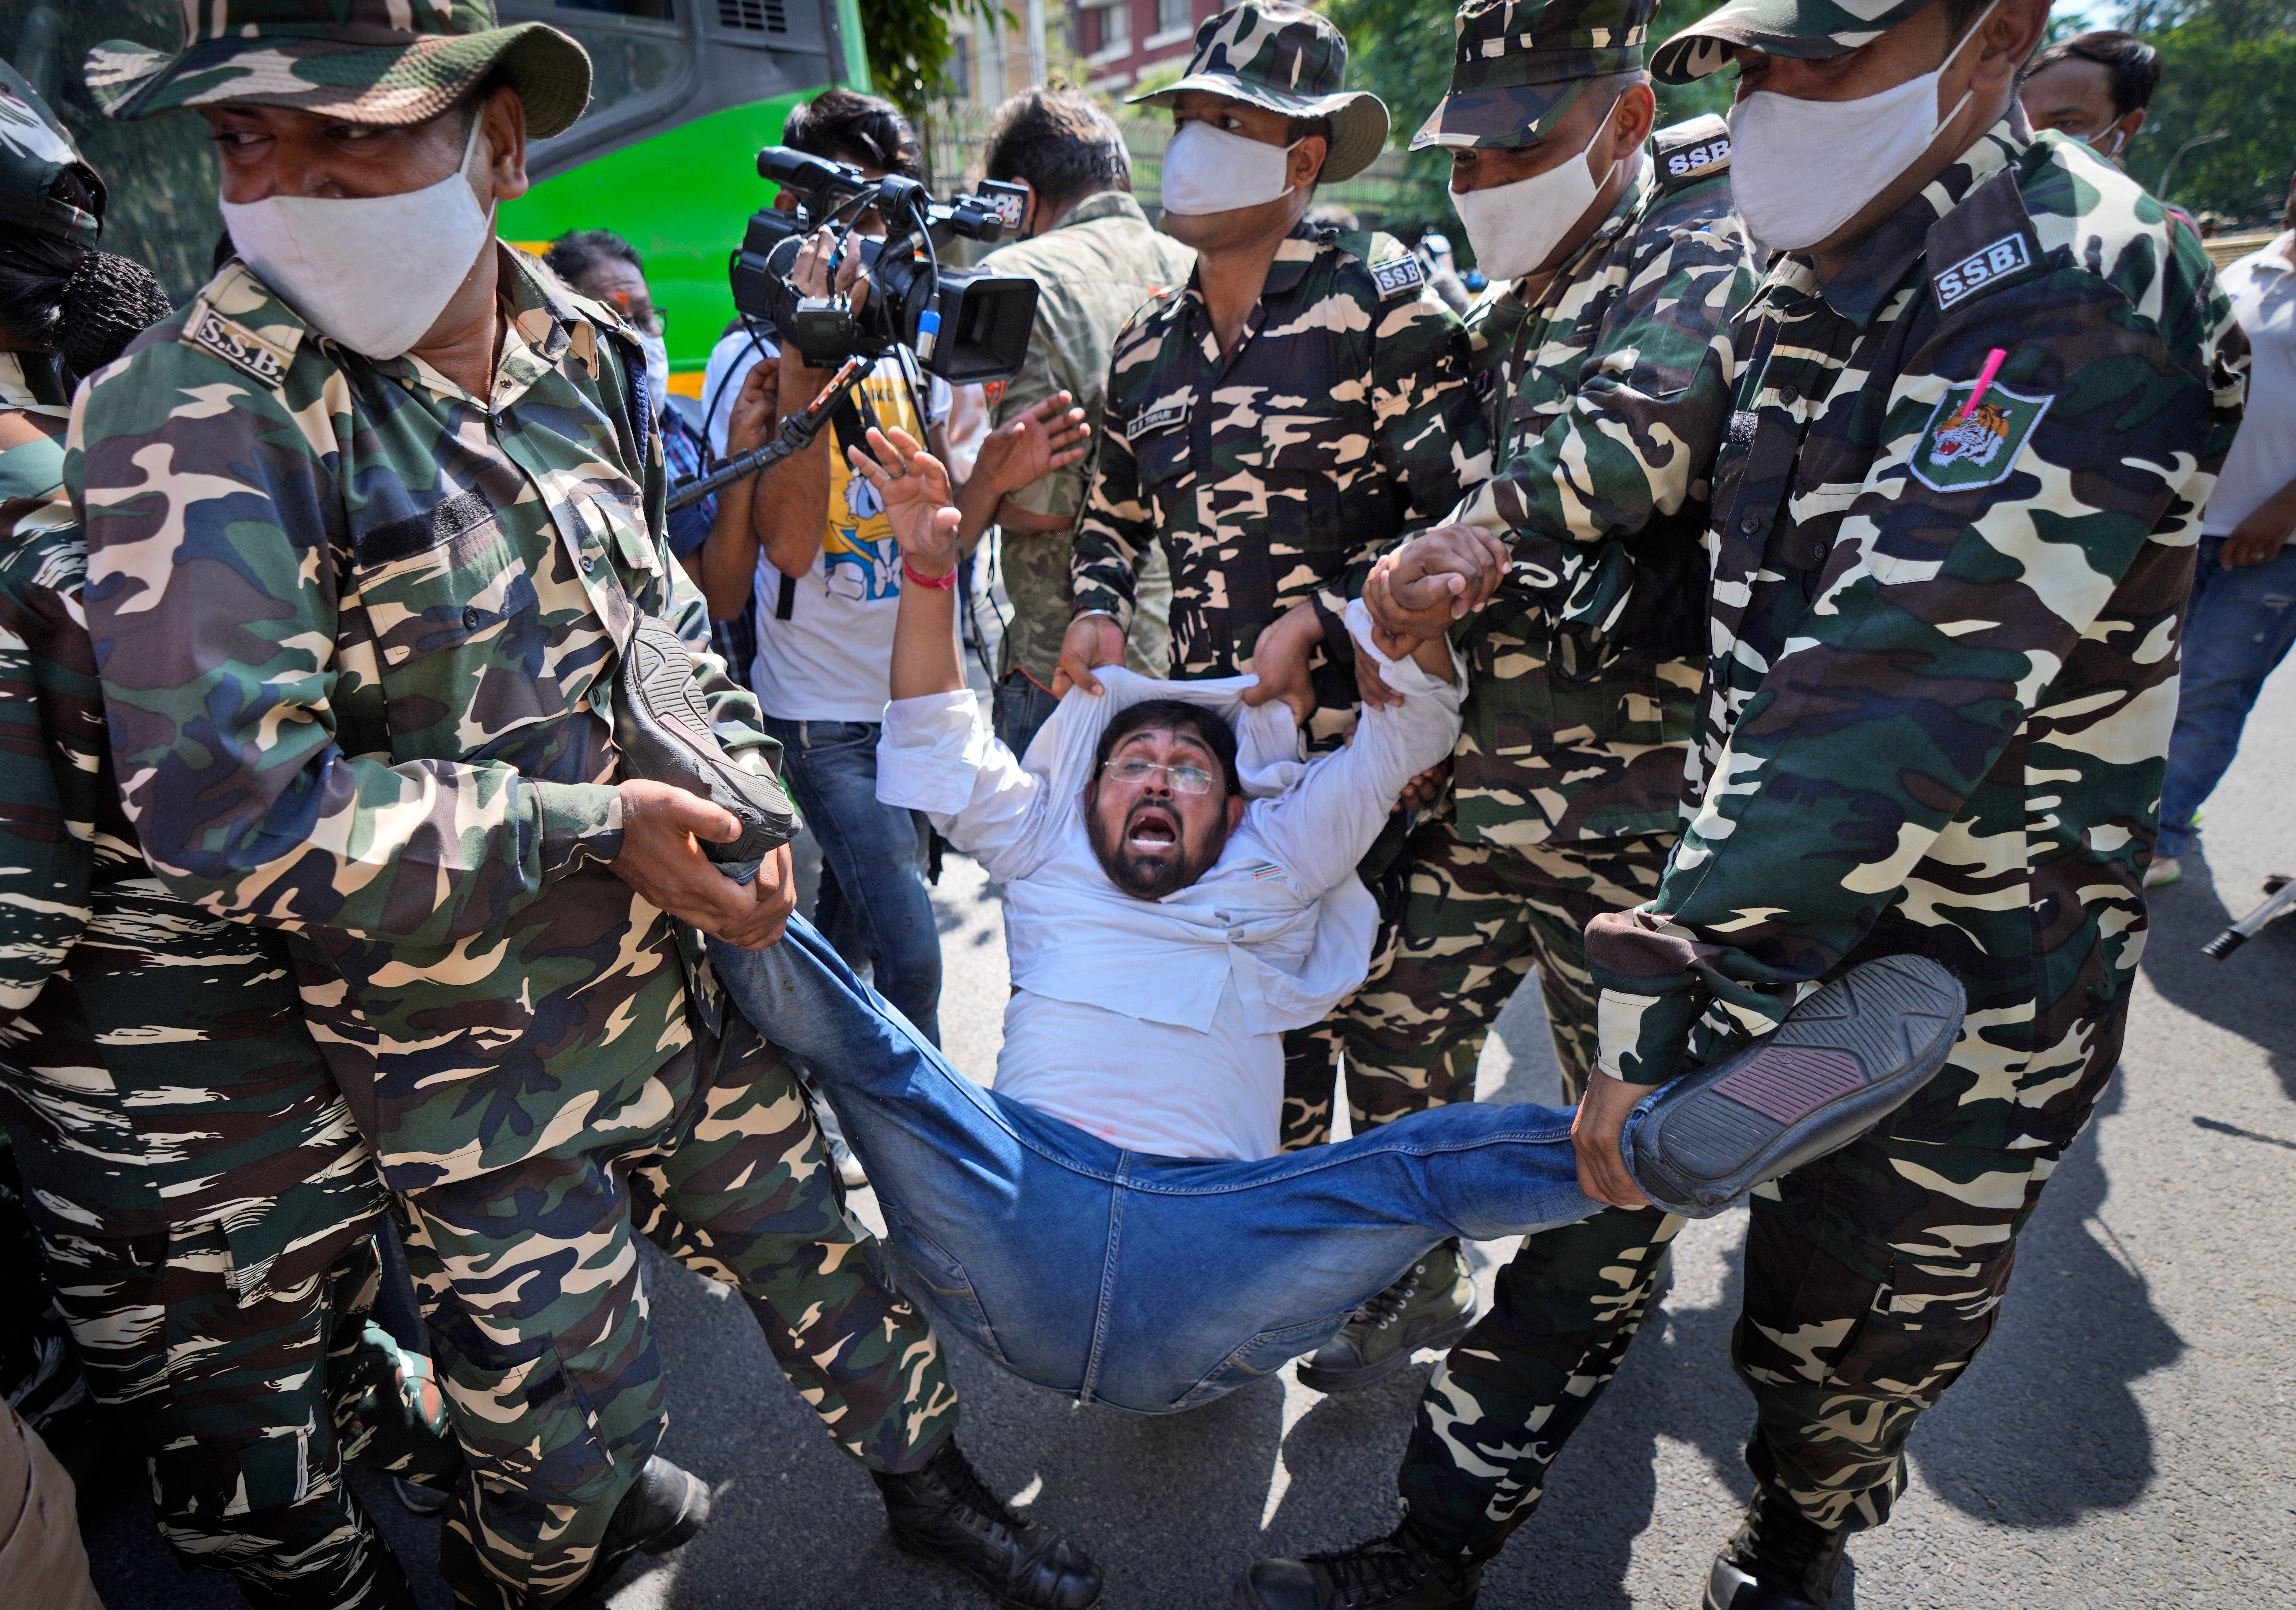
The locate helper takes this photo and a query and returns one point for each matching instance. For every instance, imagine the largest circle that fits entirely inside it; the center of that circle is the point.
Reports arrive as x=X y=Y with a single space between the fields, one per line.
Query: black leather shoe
x=1402 y=1571
x=1431 y=1305
x=946 y=1513
x=1843 y=1061
x=1779 y=1560
x=666 y=1508
x=661 y=725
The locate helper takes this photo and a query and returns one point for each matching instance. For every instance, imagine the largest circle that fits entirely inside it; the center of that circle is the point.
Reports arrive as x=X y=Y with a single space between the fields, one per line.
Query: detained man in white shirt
x=1114 y=1220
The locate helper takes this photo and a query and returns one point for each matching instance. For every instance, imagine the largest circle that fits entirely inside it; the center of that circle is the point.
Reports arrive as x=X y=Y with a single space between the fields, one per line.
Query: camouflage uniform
x=1606 y=412
x=1942 y=677
x=358 y=630
x=205 y=1208
x=1093 y=271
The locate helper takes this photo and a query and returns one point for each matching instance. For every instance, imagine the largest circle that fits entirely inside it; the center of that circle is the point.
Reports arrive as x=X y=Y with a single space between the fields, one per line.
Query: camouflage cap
x=1289 y=61
x=1521 y=62
x=35 y=152
x=1809 y=30
x=384 y=61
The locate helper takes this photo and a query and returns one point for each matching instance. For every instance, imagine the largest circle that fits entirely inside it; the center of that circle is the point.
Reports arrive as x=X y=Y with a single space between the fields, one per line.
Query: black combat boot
x=1431 y=1305
x=665 y=1507
x=1403 y=1571
x=946 y=1513
x=1779 y=1560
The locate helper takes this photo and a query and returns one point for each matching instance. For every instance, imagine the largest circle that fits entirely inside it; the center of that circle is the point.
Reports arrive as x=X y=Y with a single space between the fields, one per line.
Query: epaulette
x=1395 y=269
x=1691 y=151
x=1987 y=242
x=235 y=318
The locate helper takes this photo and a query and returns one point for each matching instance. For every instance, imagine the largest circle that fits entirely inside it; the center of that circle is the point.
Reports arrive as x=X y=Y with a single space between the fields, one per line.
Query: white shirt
x=829 y=659
x=2262 y=287
x=1157 y=1025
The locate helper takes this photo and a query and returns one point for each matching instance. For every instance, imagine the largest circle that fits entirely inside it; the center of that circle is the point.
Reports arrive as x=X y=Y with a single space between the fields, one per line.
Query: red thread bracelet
x=938 y=584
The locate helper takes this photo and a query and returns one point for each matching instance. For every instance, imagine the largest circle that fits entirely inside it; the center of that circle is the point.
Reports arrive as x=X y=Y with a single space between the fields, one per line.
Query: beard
x=1151 y=875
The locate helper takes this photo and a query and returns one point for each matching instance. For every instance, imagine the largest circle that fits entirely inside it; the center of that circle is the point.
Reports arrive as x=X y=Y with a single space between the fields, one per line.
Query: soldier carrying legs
x=205 y=1207
x=370 y=520
x=1977 y=405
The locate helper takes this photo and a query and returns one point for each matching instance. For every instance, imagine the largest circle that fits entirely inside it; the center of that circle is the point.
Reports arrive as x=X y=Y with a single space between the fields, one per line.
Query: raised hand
x=751 y=420
x=914 y=487
x=1030 y=446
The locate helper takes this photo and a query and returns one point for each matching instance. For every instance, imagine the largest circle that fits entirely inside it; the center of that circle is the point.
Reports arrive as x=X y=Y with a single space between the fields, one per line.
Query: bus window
x=639 y=56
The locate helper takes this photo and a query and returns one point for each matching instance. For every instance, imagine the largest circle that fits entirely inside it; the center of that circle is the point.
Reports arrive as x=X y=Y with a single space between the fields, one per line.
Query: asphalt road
x=2128 y=1440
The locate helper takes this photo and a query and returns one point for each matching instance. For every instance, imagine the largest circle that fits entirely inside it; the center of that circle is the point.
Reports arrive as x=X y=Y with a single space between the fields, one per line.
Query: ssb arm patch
x=1954 y=454
x=236 y=345
x=1398 y=276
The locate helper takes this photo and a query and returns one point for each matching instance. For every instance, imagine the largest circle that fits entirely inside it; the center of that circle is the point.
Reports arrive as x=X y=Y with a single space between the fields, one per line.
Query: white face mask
x=1208 y=169
x=1516 y=226
x=372 y=272
x=1802 y=169
x=657 y=357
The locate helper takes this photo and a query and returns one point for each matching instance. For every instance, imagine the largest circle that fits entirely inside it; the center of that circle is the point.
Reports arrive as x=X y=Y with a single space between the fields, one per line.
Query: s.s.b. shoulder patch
x=1399 y=276
x=1998 y=260
x=1691 y=151
x=236 y=345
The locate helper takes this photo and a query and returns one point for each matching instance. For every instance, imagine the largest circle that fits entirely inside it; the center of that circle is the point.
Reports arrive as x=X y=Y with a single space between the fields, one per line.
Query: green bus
x=686 y=93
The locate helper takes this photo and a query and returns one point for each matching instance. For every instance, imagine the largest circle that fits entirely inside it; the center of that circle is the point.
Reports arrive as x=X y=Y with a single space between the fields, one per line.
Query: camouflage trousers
x=251 y=1389
x=529 y=1279
x=1035 y=565
x=1872 y=1278
x=1467 y=922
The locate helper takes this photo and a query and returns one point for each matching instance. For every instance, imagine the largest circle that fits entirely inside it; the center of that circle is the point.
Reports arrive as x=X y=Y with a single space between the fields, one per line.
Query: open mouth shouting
x=1152 y=830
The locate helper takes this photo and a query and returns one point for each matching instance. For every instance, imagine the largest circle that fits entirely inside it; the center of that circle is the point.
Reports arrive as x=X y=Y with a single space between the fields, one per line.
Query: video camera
x=964 y=326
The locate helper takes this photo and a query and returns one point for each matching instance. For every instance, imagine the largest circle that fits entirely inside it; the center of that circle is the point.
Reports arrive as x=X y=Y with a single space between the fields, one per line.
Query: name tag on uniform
x=2006 y=257
x=1160 y=418
x=1398 y=274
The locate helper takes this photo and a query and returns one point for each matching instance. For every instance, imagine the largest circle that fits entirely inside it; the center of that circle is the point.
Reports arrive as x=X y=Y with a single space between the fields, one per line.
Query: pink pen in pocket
x=1993 y=362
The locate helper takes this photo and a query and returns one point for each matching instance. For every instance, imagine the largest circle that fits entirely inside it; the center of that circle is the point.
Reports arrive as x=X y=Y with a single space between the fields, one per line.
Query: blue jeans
x=874 y=860
x=2237 y=630
x=1153 y=1284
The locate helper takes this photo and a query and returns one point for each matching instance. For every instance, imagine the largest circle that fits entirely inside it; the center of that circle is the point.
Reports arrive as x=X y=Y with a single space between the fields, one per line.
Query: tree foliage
x=909 y=47
x=2235 y=71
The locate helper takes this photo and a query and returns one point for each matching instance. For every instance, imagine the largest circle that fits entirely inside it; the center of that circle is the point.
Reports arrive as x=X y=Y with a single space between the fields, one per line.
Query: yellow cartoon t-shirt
x=826 y=641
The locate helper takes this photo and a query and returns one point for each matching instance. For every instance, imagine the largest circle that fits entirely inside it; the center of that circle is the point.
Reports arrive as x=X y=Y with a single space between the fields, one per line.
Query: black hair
x=1060 y=141
x=1217 y=734
x=33 y=271
x=2134 y=65
x=573 y=255
x=83 y=304
x=845 y=125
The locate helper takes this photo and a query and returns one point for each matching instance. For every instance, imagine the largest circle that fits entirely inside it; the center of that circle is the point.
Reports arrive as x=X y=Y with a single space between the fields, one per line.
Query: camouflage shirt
x=1274 y=472
x=1945 y=638
x=138 y=1092
x=357 y=630
x=1608 y=408
x=1094 y=270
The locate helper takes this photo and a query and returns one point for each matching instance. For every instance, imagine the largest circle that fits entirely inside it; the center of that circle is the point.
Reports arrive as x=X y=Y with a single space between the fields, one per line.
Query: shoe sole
x=1843 y=1060
x=916 y=1551
x=663 y=727
x=1328 y=1381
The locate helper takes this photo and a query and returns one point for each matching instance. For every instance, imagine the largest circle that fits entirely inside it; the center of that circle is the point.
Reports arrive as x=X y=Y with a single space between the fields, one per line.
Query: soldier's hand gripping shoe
x=661 y=725
x=1842 y=1060
x=663 y=1508
x=1778 y=1560
x=946 y=1513
x=1431 y=1305
x=1402 y=1571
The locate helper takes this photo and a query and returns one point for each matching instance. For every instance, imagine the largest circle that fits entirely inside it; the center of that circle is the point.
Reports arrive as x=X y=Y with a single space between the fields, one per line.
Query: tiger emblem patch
x=1961 y=446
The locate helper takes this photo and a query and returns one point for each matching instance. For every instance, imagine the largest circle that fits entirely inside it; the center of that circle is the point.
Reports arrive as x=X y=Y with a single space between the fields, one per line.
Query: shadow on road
x=2247 y=993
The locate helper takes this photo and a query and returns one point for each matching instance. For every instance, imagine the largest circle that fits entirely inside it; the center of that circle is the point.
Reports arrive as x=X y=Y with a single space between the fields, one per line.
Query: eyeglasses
x=1183 y=780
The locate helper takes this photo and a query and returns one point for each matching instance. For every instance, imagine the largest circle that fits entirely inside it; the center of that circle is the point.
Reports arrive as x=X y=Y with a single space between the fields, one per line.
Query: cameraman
x=1096 y=259
x=821 y=562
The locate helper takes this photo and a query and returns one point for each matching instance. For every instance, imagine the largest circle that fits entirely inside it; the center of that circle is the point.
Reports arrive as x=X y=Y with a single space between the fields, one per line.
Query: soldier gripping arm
x=1949 y=601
